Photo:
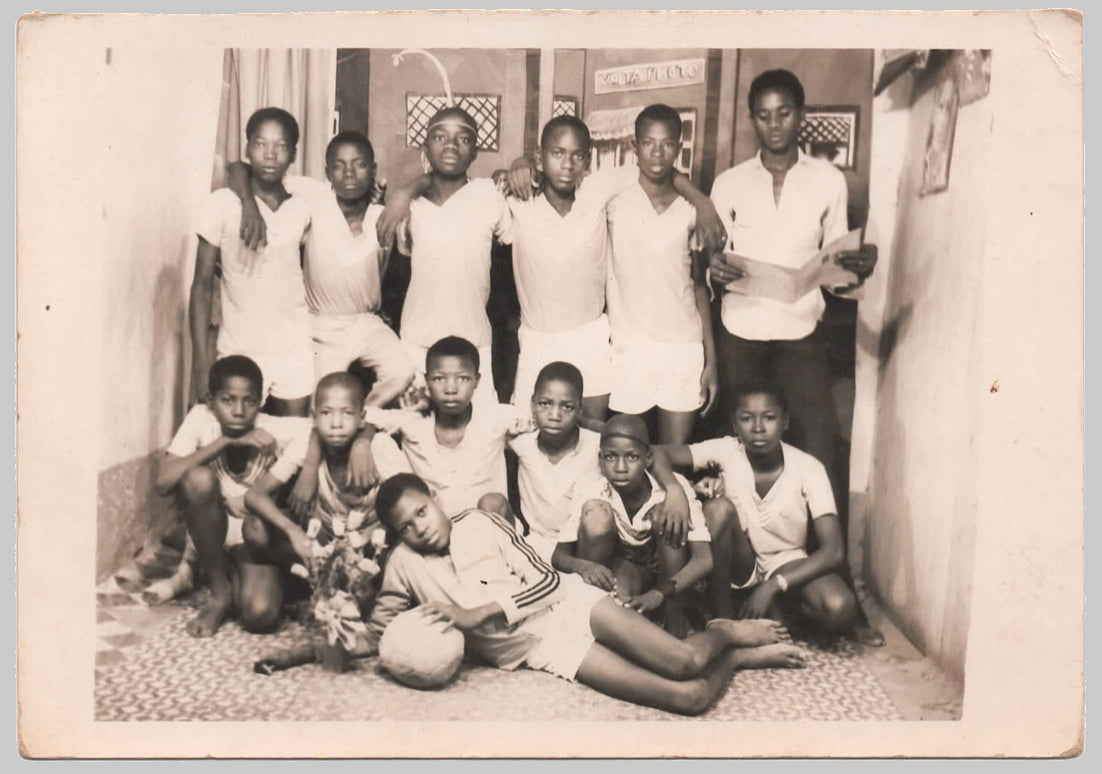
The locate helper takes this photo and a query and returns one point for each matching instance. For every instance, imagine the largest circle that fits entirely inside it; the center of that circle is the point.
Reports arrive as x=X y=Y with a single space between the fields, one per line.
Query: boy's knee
x=597 y=519
x=720 y=516
x=687 y=662
x=692 y=697
x=199 y=485
x=839 y=611
x=495 y=503
x=254 y=532
x=259 y=615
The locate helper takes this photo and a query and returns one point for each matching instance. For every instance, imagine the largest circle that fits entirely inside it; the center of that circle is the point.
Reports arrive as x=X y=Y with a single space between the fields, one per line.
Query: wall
x=158 y=169
x=829 y=77
x=917 y=391
x=485 y=71
x=678 y=97
x=570 y=75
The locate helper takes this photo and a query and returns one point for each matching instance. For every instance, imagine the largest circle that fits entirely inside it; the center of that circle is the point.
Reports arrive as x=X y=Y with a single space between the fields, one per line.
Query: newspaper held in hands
x=788 y=285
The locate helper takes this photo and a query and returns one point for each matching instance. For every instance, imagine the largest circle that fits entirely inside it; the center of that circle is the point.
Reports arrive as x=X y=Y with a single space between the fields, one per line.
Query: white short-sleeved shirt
x=810 y=214
x=200 y=427
x=342 y=268
x=450 y=267
x=650 y=286
x=560 y=262
x=263 y=299
x=778 y=521
x=457 y=476
x=633 y=530
x=546 y=487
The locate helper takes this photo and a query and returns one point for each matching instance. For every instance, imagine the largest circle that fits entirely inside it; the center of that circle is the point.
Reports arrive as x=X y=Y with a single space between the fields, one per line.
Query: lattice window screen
x=484 y=108
x=830 y=132
x=564 y=106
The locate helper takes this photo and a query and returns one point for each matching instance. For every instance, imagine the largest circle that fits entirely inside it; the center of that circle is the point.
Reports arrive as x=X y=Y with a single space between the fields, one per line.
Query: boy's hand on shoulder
x=523 y=178
x=709 y=388
x=362 y=472
x=670 y=520
x=709 y=229
x=393 y=218
x=303 y=494
x=414 y=399
x=254 y=231
x=710 y=487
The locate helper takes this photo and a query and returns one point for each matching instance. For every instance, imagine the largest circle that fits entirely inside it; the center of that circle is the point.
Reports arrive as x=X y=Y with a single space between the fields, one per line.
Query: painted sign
x=654 y=75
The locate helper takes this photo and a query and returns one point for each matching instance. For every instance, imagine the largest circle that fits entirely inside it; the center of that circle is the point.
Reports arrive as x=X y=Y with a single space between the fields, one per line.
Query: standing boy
x=560 y=258
x=344 y=266
x=264 y=312
x=222 y=448
x=609 y=538
x=472 y=572
x=663 y=354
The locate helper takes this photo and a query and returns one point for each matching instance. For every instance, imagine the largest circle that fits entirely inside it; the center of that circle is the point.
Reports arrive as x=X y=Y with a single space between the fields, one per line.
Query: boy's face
x=657 y=149
x=451 y=381
x=555 y=406
x=624 y=462
x=760 y=423
x=269 y=153
x=420 y=523
x=351 y=171
x=450 y=148
x=338 y=414
x=235 y=405
x=776 y=120
x=564 y=159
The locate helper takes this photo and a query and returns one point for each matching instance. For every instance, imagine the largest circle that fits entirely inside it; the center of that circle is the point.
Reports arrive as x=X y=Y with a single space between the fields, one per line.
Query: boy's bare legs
x=280 y=407
x=675 y=427
x=670 y=562
x=635 y=660
x=597 y=536
x=499 y=504
x=207 y=523
x=828 y=602
x=733 y=558
x=259 y=594
x=595 y=407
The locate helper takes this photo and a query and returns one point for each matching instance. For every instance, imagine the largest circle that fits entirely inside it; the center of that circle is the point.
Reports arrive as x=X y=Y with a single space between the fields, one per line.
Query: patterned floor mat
x=172 y=676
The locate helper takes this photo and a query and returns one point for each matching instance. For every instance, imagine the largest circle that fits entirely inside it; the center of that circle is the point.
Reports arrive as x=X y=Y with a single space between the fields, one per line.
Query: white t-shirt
x=633 y=530
x=457 y=476
x=546 y=487
x=810 y=214
x=200 y=427
x=263 y=299
x=450 y=267
x=560 y=262
x=778 y=521
x=650 y=287
x=342 y=268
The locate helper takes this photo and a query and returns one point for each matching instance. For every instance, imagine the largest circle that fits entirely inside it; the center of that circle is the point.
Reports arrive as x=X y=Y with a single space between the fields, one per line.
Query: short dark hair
x=226 y=368
x=760 y=387
x=560 y=371
x=568 y=122
x=453 y=346
x=661 y=114
x=776 y=80
x=391 y=491
x=349 y=137
x=280 y=116
x=365 y=374
x=340 y=379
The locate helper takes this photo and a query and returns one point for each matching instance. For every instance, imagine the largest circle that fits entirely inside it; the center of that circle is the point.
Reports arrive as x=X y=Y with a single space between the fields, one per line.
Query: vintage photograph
x=483 y=383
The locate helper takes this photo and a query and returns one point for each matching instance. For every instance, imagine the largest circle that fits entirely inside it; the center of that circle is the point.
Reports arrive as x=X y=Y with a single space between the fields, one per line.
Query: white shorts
x=235 y=522
x=564 y=629
x=651 y=373
x=544 y=546
x=340 y=339
x=484 y=394
x=586 y=346
x=287 y=375
x=765 y=567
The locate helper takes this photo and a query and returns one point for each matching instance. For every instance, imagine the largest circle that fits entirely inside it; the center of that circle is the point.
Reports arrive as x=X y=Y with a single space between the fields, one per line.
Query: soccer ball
x=418 y=653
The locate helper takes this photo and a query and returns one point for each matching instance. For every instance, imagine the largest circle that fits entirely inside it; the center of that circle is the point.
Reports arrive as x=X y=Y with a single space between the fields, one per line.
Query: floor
x=148 y=668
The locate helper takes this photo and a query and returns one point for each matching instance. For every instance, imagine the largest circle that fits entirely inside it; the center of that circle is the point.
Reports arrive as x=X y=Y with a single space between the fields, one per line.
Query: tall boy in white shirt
x=663 y=353
x=264 y=312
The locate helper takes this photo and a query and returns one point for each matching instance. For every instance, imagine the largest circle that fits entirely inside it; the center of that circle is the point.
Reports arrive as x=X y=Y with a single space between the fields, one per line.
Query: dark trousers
x=801 y=369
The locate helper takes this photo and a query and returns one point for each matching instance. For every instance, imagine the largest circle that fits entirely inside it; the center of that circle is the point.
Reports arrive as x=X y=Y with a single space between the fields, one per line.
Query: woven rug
x=172 y=676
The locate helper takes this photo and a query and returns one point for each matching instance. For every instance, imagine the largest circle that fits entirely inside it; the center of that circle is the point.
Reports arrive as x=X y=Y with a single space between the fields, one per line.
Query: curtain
x=302 y=81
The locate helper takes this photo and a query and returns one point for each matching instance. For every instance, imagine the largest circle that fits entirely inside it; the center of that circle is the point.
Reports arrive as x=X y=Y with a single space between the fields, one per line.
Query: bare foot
x=207 y=621
x=167 y=589
x=752 y=632
x=781 y=655
x=867 y=635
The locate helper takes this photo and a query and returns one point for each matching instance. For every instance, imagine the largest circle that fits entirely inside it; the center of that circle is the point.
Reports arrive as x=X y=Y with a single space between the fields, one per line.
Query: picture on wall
x=830 y=132
x=939 y=139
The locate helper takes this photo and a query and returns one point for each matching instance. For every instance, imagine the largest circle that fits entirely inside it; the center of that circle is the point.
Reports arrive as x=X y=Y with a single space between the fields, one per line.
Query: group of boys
x=591 y=579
